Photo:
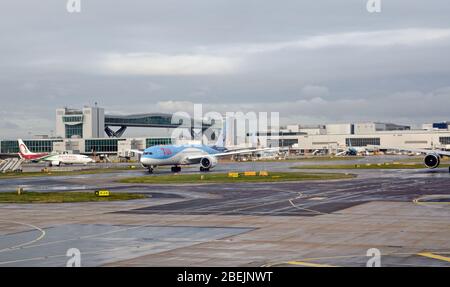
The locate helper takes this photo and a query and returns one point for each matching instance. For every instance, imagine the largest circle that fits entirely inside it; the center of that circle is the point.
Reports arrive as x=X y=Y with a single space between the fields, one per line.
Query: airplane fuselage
x=174 y=155
x=68 y=159
x=34 y=156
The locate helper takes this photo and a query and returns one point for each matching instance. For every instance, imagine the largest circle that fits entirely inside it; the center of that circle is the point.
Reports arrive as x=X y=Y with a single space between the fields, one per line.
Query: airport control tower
x=88 y=122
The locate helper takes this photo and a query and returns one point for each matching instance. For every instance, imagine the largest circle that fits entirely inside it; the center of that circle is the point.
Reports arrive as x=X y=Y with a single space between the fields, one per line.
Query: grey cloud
x=8 y=125
x=314 y=61
x=319 y=110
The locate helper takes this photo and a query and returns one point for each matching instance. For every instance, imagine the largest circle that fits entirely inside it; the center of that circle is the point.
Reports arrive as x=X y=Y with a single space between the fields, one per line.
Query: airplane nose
x=146 y=161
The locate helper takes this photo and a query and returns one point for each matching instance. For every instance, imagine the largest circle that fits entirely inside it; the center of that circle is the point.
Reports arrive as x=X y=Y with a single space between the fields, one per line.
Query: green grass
x=62 y=173
x=331 y=158
x=396 y=165
x=63 y=197
x=315 y=158
x=223 y=178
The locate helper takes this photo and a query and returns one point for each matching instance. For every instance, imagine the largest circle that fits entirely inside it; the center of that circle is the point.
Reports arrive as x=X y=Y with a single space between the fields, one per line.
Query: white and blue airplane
x=188 y=154
x=432 y=157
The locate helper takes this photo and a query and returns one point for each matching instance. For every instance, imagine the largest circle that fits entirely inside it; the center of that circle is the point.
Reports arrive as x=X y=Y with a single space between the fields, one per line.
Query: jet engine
x=208 y=162
x=432 y=160
x=55 y=163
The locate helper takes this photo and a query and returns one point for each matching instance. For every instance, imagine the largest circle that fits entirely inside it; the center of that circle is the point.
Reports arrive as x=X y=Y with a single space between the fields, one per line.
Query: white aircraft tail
x=23 y=149
x=221 y=139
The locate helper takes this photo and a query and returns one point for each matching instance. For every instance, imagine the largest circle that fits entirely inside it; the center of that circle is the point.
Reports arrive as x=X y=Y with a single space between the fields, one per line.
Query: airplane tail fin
x=220 y=140
x=23 y=149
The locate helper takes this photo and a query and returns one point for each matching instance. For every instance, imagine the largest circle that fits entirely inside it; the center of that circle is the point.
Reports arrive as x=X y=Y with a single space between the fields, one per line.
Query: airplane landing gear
x=449 y=169
x=150 y=169
x=175 y=169
x=204 y=169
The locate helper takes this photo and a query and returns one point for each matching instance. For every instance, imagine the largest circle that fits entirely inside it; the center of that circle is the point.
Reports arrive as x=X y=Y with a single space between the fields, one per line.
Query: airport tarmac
x=405 y=214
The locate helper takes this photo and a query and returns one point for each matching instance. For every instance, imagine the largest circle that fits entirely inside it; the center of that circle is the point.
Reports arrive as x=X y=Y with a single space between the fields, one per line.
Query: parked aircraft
x=26 y=154
x=52 y=159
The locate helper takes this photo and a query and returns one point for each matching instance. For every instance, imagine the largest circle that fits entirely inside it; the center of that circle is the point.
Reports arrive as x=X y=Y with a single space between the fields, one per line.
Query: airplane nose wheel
x=150 y=170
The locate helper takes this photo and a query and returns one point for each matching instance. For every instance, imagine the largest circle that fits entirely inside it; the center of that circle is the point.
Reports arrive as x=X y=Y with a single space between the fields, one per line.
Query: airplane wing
x=246 y=151
x=42 y=158
x=425 y=151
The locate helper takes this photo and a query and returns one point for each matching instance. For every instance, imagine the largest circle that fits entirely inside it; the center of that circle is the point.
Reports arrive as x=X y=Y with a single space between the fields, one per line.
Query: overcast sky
x=313 y=61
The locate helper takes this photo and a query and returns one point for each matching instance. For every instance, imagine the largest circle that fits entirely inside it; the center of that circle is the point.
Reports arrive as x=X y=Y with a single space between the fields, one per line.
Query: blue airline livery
x=189 y=154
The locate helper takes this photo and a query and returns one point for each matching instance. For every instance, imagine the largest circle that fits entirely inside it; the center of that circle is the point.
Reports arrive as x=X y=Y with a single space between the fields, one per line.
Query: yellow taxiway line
x=419 y=201
x=308 y=264
x=434 y=256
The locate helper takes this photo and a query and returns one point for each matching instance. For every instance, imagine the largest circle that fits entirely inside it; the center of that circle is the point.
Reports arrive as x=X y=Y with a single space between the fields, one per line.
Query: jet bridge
x=153 y=120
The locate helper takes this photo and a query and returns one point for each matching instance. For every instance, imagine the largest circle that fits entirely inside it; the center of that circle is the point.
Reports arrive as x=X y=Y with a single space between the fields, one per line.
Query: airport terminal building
x=414 y=139
x=91 y=131
x=332 y=138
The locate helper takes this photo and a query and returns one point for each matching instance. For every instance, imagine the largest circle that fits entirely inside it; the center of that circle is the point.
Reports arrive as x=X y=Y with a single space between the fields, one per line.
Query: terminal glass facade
x=358 y=142
x=101 y=145
x=74 y=130
x=138 y=120
x=12 y=146
x=287 y=142
x=444 y=140
x=73 y=119
x=157 y=141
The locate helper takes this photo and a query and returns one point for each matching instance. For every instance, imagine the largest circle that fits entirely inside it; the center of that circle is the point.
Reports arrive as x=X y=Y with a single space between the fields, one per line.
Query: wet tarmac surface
x=296 y=198
x=280 y=199
x=100 y=243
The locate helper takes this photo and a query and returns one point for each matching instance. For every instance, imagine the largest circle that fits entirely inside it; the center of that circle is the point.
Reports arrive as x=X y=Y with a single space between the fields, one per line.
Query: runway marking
x=140 y=246
x=426 y=254
x=110 y=250
x=42 y=235
x=252 y=206
x=302 y=208
x=317 y=198
x=308 y=264
x=434 y=256
x=418 y=201
x=105 y=251
x=90 y=236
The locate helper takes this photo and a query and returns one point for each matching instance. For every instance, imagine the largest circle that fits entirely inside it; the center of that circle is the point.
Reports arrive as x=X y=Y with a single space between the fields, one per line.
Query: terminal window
x=362 y=141
x=444 y=140
x=287 y=142
x=150 y=120
x=72 y=119
x=34 y=146
x=101 y=145
x=74 y=130
x=157 y=141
